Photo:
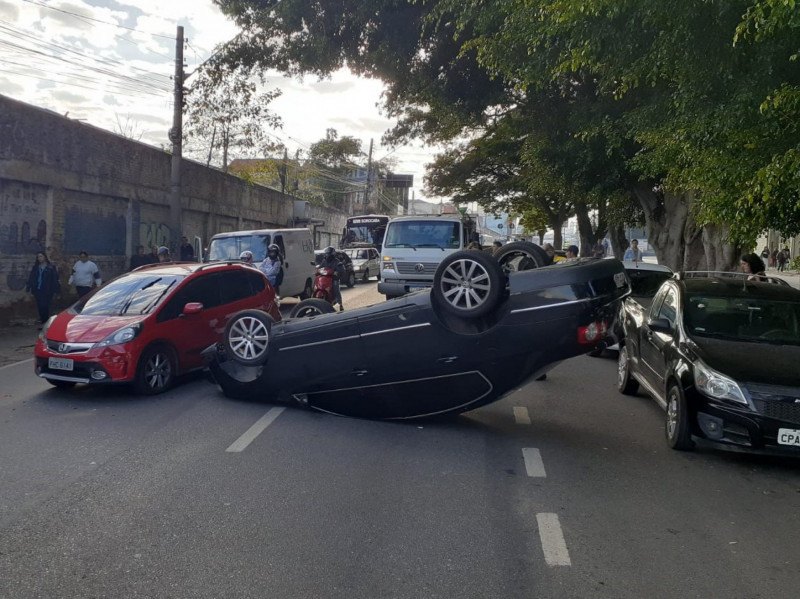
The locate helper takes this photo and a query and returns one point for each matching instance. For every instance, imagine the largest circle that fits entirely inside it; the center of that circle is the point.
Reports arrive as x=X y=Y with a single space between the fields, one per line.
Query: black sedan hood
x=751 y=362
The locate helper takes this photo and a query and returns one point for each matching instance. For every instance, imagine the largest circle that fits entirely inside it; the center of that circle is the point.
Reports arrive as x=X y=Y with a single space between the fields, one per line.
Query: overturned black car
x=480 y=332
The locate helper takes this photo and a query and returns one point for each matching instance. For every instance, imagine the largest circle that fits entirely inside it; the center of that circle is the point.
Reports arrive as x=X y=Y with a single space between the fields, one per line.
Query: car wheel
x=307 y=290
x=311 y=307
x=62 y=384
x=468 y=284
x=247 y=337
x=156 y=371
x=521 y=255
x=626 y=384
x=366 y=276
x=351 y=280
x=677 y=422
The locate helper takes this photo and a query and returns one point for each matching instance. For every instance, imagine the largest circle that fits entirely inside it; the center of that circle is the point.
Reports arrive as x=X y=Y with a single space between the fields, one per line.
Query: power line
x=84 y=17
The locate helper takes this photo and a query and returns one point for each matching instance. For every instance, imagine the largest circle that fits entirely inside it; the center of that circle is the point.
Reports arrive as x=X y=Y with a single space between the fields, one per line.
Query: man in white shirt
x=633 y=253
x=85 y=275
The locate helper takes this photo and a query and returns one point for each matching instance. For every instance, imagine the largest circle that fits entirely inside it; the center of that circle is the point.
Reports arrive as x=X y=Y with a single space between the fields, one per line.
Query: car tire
x=468 y=284
x=351 y=280
x=676 y=426
x=156 y=370
x=307 y=290
x=521 y=255
x=311 y=307
x=247 y=336
x=62 y=384
x=626 y=384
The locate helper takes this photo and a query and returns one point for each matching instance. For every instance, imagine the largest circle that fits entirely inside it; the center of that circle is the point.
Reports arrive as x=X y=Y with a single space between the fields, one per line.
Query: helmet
x=163 y=251
x=329 y=251
x=246 y=256
x=273 y=249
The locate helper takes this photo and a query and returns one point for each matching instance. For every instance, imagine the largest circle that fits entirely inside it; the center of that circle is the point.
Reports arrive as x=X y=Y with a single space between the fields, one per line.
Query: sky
x=109 y=63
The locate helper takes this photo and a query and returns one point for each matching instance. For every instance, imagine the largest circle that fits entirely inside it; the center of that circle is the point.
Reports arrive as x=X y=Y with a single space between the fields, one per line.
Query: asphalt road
x=563 y=489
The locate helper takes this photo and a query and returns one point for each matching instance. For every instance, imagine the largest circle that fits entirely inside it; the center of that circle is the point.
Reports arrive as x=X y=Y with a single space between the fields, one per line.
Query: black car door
x=654 y=344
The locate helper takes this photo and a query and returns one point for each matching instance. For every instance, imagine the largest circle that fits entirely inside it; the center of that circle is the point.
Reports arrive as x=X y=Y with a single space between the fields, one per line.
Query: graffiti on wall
x=153 y=234
x=95 y=231
x=23 y=224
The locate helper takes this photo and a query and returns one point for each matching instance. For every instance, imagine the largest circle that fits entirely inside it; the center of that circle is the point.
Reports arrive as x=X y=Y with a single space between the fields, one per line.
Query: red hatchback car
x=148 y=326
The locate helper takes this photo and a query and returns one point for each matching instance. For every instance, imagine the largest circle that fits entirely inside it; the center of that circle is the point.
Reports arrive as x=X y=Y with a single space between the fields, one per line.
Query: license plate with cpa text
x=619 y=279
x=789 y=436
x=60 y=363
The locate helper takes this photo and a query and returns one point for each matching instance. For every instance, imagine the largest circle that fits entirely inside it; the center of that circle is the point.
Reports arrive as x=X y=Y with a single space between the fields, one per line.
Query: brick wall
x=67 y=186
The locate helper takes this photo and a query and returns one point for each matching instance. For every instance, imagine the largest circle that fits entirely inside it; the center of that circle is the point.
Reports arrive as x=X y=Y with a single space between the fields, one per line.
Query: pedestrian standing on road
x=163 y=254
x=139 y=258
x=782 y=258
x=272 y=266
x=633 y=253
x=153 y=255
x=85 y=275
x=572 y=252
x=43 y=284
x=786 y=257
x=752 y=265
x=186 y=250
x=765 y=255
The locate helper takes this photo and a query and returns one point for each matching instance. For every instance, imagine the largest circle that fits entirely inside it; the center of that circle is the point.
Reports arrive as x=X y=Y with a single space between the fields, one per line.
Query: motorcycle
x=322 y=297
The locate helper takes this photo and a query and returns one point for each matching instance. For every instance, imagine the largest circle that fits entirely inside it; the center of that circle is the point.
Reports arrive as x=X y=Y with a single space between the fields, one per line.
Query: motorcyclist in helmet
x=272 y=266
x=329 y=260
x=246 y=257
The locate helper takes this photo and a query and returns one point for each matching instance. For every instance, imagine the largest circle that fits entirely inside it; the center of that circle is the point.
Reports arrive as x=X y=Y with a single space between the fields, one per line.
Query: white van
x=297 y=249
x=414 y=246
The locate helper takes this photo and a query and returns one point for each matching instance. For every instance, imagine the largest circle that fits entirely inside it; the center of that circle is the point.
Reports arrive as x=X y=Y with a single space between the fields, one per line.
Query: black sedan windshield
x=746 y=319
x=131 y=294
x=645 y=283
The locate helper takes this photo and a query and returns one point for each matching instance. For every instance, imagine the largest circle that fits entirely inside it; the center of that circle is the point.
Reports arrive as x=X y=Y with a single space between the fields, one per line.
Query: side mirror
x=192 y=308
x=660 y=325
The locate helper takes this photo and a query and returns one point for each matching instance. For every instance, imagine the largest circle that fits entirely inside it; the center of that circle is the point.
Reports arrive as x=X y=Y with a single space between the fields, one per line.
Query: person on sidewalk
x=163 y=254
x=140 y=258
x=633 y=253
x=85 y=275
x=572 y=252
x=43 y=284
x=186 y=250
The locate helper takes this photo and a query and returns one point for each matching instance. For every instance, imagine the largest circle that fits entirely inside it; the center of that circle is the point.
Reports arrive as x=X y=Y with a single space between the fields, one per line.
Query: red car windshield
x=131 y=294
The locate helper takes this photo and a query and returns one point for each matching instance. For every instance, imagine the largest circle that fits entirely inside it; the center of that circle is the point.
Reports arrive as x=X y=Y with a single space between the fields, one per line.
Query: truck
x=414 y=246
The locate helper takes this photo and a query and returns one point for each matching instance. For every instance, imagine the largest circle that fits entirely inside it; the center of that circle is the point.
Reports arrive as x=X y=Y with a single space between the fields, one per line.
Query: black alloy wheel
x=626 y=384
x=521 y=255
x=156 y=371
x=247 y=337
x=677 y=428
x=311 y=307
x=468 y=284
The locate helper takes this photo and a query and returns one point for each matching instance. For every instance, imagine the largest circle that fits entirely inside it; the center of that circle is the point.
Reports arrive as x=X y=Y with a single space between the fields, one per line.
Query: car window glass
x=646 y=283
x=132 y=294
x=204 y=289
x=234 y=286
x=669 y=307
x=259 y=244
x=258 y=282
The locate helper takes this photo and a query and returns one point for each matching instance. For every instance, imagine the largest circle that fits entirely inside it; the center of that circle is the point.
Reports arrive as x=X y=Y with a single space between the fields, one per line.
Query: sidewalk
x=16 y=343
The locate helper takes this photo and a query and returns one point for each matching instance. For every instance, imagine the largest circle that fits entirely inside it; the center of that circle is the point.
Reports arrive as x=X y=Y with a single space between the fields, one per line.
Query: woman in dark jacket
x=43 y=284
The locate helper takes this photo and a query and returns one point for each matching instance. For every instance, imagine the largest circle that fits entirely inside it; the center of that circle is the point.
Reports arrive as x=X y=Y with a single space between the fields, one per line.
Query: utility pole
x=176 y=137
x=369 y=174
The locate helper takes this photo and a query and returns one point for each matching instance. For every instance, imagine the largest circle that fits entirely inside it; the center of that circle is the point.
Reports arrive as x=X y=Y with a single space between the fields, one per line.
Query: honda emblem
x=62 y=348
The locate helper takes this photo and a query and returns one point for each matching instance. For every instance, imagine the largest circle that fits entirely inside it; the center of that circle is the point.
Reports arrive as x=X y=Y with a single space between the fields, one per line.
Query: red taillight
x=592 y=333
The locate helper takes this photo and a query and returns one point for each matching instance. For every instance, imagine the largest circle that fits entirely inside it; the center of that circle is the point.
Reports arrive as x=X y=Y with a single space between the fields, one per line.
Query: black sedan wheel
x=521 y=255
x=311 y=307
x=677 y=424
x=468 y=284
x=247 y=337
x=156 y=371
x=626 y=384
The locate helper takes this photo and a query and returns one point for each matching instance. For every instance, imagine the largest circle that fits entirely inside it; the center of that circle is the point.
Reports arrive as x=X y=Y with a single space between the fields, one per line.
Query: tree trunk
x=666 y=217
x=541 y=233
x=557 y=223
x=618 y=241
x=718 y=253
x=225 y=152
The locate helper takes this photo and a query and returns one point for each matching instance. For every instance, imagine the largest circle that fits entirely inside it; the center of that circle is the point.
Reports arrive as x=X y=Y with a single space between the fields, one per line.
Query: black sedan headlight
x=123 y=335
x=717 y=385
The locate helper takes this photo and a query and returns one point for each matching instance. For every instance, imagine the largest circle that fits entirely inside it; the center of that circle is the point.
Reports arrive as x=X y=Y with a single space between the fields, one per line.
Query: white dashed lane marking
x=553 y=544
x=254 y=431
x=521 y=415
x=533 y=462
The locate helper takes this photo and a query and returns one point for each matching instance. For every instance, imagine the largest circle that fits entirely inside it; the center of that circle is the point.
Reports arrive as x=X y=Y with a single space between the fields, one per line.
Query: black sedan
x=478 y=334
x=720 y=355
